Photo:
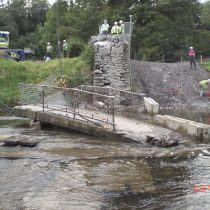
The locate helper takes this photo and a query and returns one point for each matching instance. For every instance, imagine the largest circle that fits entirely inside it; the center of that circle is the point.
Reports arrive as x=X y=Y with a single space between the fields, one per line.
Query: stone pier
x=111 y=61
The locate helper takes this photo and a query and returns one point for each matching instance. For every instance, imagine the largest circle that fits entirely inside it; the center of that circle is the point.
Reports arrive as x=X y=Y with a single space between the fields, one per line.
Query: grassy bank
x=206 y=63
x=11 y=73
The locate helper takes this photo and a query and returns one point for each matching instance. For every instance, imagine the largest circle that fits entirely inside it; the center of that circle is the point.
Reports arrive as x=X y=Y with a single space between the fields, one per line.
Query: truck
x=4 y=39
x=5 y=52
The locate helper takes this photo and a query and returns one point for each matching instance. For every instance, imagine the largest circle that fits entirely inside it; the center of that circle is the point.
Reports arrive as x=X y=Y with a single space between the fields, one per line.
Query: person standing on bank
x=48 y=52
x=191 y=54
x=65 y=48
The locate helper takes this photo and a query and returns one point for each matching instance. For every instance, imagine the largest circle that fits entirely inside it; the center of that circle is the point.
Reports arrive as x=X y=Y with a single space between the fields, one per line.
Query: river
x=70 y=171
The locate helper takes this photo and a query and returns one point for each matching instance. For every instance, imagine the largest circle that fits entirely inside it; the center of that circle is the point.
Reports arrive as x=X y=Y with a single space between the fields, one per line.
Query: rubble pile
x=165 y=140
x=170 y=84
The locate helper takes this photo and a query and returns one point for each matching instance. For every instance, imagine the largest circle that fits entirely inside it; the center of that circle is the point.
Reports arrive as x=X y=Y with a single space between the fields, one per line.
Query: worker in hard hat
x=65 y=48
x=49 y=50
x=204 y=86
x=104 y=29
x=191 y=54
x=13 y=56
x=115 y=28
x=122 y=27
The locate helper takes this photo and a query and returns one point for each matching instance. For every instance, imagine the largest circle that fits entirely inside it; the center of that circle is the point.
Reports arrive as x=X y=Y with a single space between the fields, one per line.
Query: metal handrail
x=76 y=102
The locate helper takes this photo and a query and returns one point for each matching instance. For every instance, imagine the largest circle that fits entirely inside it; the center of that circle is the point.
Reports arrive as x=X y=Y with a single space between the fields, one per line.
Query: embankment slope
x=170 y=84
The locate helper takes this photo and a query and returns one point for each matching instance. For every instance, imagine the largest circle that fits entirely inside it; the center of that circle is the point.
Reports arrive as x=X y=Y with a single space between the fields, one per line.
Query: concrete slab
x=199 y=130
x=151 y=105
x=126 y=129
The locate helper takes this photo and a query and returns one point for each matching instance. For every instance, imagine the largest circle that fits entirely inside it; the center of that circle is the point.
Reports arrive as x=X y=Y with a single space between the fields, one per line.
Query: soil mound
x=170 y=84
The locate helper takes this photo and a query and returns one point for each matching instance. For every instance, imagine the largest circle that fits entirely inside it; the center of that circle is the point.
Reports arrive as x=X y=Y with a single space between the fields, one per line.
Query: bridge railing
x=75 y=103
x=127 y=103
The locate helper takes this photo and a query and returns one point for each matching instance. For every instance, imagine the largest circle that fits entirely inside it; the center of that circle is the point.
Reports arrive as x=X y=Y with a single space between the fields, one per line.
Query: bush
x=75 y=47
x=87 y=55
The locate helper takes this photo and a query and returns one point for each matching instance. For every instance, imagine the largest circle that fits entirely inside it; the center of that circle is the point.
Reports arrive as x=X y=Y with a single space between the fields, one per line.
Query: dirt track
x=170 y=84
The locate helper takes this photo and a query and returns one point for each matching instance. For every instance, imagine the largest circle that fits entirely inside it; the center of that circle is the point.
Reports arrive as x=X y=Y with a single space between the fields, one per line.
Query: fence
x=5 y=108
x=127 y=103
x=76 y=103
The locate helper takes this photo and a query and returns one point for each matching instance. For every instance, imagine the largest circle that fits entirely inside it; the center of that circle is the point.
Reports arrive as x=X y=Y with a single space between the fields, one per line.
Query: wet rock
x=164 y=140
x=26 y=143
x=10 y=143
x=35 y=125
x=22 y=143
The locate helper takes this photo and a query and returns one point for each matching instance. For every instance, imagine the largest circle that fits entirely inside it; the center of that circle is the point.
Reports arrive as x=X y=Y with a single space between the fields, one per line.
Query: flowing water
x=70 y=171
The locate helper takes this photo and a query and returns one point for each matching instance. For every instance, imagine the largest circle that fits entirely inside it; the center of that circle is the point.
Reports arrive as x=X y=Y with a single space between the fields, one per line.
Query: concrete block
x=151 y=105
x=199 y=130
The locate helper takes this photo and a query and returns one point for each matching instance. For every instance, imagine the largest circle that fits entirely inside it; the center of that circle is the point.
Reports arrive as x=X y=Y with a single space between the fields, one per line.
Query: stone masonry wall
x=111 y=62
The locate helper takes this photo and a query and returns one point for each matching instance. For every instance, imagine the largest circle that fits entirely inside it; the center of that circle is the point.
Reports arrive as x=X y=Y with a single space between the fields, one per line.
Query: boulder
x=164 y=140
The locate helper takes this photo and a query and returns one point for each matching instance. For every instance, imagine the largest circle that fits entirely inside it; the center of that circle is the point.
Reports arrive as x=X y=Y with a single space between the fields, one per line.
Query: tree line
x=161 y=27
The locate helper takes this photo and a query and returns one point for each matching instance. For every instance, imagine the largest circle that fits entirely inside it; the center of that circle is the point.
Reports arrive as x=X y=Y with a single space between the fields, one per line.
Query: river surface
x=70 y=171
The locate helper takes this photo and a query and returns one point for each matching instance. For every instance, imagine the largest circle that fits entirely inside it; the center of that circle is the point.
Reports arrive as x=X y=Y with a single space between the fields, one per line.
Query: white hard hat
x=48 y=43
x=64 y=40
x=120 y=21
x=191 y=48
x=115 y=23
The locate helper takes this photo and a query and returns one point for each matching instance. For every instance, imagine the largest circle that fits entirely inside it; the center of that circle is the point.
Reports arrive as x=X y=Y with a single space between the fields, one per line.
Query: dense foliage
x=162 y=27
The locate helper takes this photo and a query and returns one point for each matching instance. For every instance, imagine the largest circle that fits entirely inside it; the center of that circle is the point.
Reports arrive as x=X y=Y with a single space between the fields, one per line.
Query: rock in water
x=35 y=125
x=164 y=140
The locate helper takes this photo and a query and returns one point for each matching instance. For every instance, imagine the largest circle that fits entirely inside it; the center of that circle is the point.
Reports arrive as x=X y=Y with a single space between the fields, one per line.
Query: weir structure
x=86 y=109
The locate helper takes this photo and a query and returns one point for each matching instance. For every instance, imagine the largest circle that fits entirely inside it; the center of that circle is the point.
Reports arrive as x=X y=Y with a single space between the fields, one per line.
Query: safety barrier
x=5 y=108
x=76 y=103
x=128 y=103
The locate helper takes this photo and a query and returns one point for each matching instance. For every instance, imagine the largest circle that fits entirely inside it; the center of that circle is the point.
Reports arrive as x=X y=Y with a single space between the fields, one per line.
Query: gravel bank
x=170 y=84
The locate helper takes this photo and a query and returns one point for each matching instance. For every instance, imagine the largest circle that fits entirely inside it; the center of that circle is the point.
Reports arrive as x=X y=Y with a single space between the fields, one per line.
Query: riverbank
x=11 y=73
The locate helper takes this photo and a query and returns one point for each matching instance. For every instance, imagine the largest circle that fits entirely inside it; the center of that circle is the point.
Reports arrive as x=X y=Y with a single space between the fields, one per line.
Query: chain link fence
x=127 y=103
x=75 y=103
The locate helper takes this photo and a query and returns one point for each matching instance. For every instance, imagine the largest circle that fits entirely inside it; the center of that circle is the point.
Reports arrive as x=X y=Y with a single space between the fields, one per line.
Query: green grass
x=206 y=64
x=11 y=73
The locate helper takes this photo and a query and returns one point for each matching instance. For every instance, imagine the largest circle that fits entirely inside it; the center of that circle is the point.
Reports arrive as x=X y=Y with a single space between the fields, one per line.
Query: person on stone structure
x=104 y=30
x=122 y=27
x=191 y=54
x=115 y=28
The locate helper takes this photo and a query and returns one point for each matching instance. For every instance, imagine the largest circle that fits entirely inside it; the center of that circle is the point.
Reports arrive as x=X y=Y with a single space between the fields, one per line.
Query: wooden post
x=113 y=115
x=201 y=59
x=163 y=58
x=43 y=87
x=181 y=58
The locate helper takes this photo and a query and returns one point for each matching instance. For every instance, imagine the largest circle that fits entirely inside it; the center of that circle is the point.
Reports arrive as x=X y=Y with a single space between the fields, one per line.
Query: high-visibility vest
x=115 y=30
x=49 y=49
x=204 y=84
x=104 y=27
x=65 y=46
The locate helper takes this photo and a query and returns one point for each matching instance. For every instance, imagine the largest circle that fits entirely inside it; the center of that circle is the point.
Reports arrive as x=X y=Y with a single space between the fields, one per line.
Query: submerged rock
x=22 y=143
x=164 y=140
x=35 y=125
